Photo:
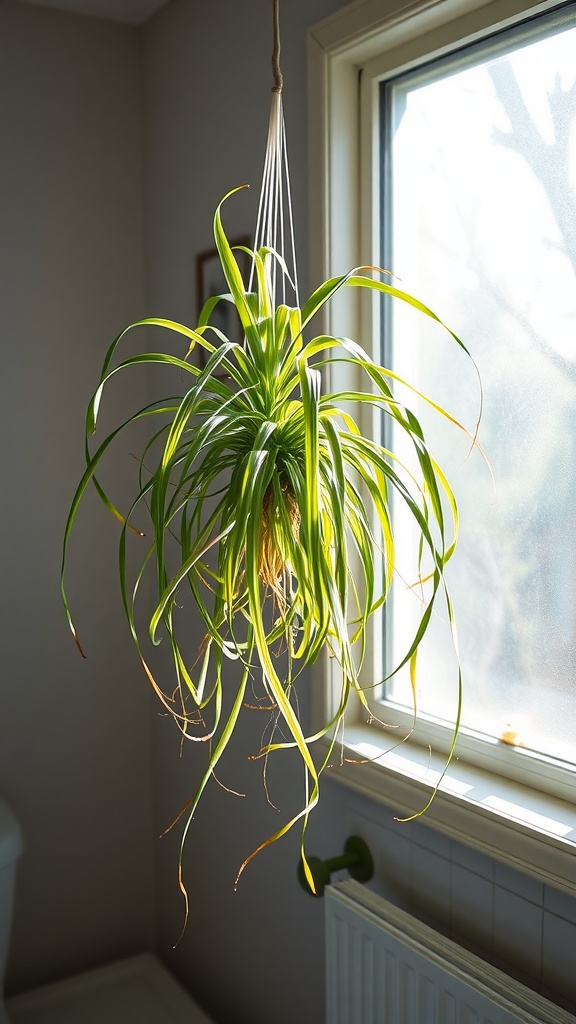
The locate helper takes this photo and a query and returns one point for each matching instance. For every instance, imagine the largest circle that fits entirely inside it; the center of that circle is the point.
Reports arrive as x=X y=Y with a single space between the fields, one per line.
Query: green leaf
x=268 y=518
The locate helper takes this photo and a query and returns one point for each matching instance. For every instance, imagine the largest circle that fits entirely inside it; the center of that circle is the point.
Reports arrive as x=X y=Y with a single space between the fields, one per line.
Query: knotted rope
x=274 y=224
x=278 y=79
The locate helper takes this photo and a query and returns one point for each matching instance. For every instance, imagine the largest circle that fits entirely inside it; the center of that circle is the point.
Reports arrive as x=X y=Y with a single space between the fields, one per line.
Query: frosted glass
x=483 y=217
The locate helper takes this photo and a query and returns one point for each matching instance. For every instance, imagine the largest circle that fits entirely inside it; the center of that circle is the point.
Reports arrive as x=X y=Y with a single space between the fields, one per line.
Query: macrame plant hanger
x=275 y=223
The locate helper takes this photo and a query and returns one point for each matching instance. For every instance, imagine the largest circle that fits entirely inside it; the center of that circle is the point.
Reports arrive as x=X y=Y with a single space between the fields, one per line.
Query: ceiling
x=132 y=12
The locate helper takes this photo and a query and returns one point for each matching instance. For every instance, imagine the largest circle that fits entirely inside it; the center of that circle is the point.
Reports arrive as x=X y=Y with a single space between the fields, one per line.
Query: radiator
x=385 y=967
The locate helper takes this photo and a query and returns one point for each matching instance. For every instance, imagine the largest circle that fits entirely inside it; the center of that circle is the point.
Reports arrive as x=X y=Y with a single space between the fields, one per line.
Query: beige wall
x=74 y=735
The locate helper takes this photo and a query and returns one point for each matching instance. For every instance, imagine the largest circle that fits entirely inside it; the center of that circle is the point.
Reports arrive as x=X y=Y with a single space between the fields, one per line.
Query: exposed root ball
x=274 y=566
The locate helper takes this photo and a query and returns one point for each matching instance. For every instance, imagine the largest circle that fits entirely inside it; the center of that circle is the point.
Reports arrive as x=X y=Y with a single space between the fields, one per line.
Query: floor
x=134 y=991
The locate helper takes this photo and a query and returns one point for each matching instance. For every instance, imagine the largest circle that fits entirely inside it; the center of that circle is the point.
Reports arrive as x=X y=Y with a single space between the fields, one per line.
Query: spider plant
x=271 y=510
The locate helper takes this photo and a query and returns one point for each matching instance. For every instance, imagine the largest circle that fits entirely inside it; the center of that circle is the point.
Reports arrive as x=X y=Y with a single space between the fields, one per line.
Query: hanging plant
x=268 y=506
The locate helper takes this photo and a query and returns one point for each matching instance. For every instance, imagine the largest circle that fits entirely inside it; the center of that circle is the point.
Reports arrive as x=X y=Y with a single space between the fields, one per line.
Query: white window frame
x=513 y=806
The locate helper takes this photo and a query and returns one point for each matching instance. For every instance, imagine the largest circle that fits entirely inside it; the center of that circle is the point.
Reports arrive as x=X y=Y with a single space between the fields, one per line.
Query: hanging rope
x=275 y=224
x=278 y=79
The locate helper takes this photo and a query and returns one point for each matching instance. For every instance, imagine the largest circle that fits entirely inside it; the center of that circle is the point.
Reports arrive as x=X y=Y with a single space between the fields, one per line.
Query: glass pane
x=483 y=214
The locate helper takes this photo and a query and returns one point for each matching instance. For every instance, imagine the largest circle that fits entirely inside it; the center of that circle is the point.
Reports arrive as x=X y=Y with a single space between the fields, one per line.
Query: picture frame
x=210 y=281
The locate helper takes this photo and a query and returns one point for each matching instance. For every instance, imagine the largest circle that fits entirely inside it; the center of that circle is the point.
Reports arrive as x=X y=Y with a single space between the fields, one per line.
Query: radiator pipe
x=356 y=858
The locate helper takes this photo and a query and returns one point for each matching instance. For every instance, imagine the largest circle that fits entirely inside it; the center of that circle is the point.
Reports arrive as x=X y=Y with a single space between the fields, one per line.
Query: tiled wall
x=522 y=926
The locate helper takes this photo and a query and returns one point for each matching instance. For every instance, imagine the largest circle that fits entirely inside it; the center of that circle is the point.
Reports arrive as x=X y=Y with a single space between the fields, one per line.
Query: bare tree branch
x=526 y=140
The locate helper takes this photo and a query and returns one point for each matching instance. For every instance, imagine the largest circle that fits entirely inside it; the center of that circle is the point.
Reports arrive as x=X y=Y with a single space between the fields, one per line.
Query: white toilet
x=138 y=990
x=10 y=849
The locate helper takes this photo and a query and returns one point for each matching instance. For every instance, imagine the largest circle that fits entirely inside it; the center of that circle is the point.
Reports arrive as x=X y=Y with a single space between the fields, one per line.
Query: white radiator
x=385 y=967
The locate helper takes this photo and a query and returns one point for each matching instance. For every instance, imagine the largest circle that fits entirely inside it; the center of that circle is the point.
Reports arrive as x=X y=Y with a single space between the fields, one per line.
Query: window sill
x=527 y=830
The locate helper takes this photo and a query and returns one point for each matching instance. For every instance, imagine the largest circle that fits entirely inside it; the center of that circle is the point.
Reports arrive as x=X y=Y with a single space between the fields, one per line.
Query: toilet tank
x=10 y=849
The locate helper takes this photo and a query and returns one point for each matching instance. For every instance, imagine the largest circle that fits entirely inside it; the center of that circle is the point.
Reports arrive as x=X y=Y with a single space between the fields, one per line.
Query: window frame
x=348 y=55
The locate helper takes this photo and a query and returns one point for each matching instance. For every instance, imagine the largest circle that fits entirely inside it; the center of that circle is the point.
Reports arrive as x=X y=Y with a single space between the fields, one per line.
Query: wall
x=256 y=954
x=75 y=754
x=74 y=735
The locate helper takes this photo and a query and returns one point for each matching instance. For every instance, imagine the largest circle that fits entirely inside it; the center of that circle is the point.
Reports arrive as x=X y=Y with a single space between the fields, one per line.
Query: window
x=466 y=187
x=481 y=167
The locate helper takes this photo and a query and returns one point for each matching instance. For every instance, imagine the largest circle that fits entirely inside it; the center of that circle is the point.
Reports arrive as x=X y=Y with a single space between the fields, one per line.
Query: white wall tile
x=559 y=955
x=514 y=881
x=472 y=907
x=473 y=860
x=432 y=840
x=395 y=860
x=518 y=932
x=559 y=903
x=431 y=885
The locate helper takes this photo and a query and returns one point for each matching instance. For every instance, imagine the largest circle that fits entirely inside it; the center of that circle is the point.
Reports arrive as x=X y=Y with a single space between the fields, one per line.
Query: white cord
x=275 y=222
